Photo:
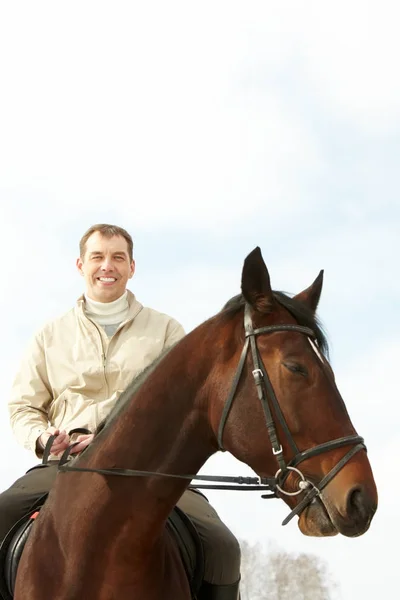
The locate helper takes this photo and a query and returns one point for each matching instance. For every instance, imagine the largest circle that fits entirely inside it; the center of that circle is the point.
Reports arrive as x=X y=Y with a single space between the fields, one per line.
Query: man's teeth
x=107 y=279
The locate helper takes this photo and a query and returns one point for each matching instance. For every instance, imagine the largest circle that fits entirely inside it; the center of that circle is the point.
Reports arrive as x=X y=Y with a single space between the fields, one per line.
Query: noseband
x=268 y=401
x=269 y=404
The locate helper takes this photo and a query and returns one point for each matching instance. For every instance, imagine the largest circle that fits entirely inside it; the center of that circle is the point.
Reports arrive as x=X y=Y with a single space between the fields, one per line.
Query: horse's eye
x=296 y=368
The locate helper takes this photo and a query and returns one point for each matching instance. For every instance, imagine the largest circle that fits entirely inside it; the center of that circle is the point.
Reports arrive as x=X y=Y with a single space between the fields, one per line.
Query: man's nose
x=107 y=265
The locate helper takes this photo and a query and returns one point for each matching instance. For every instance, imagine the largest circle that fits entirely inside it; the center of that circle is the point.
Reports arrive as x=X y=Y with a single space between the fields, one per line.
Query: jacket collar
x=134 y=306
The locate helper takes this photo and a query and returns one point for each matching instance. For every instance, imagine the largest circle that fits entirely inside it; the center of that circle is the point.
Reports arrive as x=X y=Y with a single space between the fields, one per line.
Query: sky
x=207 y=129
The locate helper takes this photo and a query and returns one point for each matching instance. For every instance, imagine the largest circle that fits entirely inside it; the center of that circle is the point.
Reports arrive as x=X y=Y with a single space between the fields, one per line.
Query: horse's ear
x=256 y=286
x=310 y=297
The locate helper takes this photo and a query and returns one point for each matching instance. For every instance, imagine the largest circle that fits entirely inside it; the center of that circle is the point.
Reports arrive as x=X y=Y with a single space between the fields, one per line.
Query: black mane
x=303 y=315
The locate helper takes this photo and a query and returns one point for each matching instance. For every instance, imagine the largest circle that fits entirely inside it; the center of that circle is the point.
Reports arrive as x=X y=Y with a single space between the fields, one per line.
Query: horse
x=253 y=380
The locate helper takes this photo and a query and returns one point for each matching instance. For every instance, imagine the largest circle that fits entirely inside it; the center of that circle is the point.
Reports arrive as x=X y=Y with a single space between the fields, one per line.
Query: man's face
x=106 y=267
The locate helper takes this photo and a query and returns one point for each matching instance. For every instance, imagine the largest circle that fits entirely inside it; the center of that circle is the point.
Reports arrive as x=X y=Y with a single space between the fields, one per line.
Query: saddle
x=178 y=523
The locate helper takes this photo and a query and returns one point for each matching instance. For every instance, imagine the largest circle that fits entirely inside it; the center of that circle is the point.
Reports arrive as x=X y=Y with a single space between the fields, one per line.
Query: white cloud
x=165 y=114
x=149 y=115
x=350 y=51
x=369 y=385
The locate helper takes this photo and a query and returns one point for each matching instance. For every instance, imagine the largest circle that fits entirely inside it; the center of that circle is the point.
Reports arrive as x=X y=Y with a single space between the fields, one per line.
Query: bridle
x=269 y=401
x=270 y=405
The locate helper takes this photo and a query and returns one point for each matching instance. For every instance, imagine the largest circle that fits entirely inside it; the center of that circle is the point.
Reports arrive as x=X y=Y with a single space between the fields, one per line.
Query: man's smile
x=107 y=280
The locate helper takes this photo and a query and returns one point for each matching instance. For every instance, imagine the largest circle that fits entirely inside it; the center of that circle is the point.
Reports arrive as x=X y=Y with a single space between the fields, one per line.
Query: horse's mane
x=303 y=315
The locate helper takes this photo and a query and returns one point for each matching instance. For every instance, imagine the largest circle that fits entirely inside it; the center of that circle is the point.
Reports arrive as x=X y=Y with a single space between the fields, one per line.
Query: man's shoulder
x=62 y=321
x=160 y=325
x=157 y=316
x=142 y=313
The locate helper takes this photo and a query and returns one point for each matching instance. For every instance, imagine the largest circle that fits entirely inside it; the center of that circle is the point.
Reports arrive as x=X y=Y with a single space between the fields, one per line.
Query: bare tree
x=279 y=575
x=255 y=572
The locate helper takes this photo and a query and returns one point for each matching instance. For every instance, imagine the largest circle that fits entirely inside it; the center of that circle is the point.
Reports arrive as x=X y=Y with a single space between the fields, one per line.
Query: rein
x=243 y=483
x=269 y=404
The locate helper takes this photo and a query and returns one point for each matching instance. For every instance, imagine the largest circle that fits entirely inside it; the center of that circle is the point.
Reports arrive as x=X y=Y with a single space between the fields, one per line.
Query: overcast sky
x=206 y=129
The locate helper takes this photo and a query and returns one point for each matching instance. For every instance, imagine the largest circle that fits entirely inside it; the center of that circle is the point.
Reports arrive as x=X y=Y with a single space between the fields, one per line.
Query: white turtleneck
x=108 y=314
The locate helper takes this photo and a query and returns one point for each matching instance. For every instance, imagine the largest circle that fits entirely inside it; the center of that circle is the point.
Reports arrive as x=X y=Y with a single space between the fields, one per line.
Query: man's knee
x=221 y=548
x=222 y=560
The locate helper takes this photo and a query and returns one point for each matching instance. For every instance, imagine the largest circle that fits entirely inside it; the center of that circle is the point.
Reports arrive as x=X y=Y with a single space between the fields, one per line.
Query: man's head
x=106 y=261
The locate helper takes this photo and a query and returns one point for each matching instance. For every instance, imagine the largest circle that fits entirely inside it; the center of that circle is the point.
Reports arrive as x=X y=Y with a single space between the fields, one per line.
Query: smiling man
x=72 y=376
x=106 y=264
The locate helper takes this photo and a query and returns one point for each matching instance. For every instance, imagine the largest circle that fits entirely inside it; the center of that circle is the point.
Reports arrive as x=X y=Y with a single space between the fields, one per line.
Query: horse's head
x=286 y=399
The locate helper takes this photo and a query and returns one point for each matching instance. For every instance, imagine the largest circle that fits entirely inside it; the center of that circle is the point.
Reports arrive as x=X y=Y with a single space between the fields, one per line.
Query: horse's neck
x=162 y=429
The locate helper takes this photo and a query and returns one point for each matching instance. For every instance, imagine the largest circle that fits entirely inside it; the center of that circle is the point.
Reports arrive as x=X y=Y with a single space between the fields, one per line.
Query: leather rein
x=269 y=404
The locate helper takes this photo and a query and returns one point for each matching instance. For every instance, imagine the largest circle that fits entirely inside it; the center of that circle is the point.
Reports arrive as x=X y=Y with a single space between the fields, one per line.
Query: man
x=73 y=374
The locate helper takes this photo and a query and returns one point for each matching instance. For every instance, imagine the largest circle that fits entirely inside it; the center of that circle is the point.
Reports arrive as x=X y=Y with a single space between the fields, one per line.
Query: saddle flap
x=190 y=547
x=179 y=524
x=11 y=552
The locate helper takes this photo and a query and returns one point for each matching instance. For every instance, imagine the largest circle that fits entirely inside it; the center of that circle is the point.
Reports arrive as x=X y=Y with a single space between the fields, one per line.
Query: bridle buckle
x=258 y=375
x=276 y=452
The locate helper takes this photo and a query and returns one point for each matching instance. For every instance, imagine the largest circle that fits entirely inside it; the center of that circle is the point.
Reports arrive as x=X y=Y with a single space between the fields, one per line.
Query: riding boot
x=210 y=591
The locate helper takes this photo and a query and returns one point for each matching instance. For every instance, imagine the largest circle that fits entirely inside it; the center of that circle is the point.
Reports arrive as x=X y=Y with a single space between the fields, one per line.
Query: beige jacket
x=73 y=374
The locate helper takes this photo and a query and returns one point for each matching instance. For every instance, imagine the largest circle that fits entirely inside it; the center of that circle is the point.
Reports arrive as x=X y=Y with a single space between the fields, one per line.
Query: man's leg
x=221 y=548
x=19 y=499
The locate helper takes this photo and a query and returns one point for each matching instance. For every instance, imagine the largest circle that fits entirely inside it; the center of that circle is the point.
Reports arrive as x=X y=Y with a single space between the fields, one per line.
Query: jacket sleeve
x=30 y=397
x=175 y=332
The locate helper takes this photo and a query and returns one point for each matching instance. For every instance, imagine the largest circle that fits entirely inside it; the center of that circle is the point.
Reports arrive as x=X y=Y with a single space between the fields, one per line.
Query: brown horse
x=101 y=537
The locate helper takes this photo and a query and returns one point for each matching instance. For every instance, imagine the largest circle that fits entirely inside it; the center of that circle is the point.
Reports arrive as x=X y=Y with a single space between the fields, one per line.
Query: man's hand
x=63 y=440
x=60 y=443
x=84 y=440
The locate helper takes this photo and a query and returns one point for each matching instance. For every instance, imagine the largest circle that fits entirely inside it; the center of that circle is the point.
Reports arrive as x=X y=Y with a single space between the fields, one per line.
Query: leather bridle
x=270 y=406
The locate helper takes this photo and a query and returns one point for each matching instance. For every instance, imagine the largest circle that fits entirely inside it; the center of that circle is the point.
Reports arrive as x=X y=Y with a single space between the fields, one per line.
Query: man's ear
x=79 y=265
x=132 y=269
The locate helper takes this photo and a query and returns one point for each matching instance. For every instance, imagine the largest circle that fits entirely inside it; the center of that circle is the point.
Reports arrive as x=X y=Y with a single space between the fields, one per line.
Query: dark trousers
x=24 y=494
x=221 y=548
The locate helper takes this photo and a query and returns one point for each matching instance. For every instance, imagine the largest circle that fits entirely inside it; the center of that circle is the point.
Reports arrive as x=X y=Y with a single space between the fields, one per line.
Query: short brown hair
x=107 y=231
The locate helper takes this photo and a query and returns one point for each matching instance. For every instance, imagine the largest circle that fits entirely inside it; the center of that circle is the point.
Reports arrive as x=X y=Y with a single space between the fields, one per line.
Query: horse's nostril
x=358 y=503
x=355 y=498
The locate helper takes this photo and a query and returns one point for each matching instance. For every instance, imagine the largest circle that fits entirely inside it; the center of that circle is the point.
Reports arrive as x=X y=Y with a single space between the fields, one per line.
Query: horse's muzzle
x=324 y=518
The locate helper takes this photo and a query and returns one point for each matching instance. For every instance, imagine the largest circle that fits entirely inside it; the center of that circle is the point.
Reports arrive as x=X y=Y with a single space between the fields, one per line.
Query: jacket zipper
x=103 y=354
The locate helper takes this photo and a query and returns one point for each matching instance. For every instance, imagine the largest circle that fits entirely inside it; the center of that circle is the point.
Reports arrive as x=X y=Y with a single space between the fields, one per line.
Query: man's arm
x=30 y=398
x=175 y=332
